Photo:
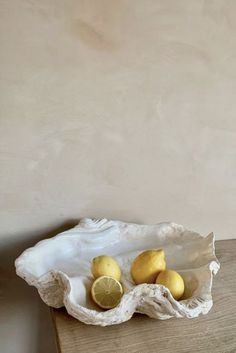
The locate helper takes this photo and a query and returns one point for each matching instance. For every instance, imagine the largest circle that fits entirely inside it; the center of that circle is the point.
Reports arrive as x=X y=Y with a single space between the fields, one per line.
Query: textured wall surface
x=120 y=109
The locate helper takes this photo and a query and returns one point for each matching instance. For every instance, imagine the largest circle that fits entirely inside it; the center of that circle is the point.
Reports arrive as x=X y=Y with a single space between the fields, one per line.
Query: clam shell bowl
x=59 y=268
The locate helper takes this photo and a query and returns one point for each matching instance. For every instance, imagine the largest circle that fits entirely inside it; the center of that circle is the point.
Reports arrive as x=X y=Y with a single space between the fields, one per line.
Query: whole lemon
x=147 y=265
x=173 y=281
x=104 y=265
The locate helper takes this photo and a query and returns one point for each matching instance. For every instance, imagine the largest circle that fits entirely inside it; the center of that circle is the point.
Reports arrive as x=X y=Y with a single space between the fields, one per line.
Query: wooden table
x=212 y=333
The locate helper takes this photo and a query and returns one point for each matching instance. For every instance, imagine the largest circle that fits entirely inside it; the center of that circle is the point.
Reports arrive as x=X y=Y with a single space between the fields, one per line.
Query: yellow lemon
x=147 y=265
x=105 y=266
x=173 y=281
x=106 y=292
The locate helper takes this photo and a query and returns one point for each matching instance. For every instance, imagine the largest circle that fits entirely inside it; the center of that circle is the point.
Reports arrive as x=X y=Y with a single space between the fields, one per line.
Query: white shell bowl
x=59 y=268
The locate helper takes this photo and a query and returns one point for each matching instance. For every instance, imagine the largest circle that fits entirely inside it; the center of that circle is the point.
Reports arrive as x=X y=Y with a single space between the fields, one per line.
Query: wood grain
x=212 y=333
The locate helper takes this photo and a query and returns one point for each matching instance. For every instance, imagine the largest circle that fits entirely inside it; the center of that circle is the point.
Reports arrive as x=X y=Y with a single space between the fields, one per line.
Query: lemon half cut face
x=106 y=292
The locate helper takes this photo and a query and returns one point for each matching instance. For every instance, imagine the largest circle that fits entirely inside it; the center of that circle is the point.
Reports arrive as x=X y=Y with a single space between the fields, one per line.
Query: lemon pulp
x=106 y=292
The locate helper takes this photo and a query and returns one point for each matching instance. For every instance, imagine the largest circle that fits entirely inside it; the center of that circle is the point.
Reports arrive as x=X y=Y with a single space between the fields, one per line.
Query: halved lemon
x=106 y=292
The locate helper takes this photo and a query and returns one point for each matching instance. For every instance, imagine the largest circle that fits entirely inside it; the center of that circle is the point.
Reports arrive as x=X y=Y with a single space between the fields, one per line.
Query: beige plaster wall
x=123 y=109
x=119 y=109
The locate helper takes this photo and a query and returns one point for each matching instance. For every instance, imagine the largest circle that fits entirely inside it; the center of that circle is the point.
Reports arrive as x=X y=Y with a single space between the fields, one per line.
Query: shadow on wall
x=24 y=318
x=10 y=251
x=21 y=306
